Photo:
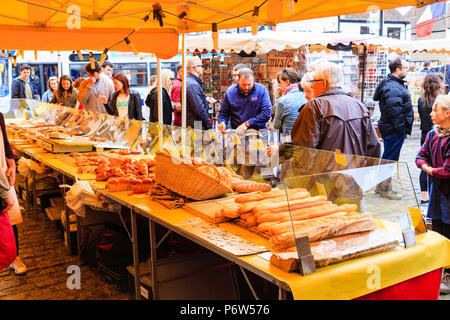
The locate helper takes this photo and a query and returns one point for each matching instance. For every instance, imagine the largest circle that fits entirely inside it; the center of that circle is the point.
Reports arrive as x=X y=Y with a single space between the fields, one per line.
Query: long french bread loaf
x=286 y=205
x=248 y=206
x=302 y=213
x=258 y=196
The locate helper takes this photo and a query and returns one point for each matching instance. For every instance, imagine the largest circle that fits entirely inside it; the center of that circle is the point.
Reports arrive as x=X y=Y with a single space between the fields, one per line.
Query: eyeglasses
x=315 y=80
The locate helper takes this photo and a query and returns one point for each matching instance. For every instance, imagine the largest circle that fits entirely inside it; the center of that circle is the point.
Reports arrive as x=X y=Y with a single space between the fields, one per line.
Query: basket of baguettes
x=192 y=177
x=336 y=232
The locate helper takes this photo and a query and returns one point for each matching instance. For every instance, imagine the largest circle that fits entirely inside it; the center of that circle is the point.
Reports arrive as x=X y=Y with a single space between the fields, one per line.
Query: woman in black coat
x=125 y=103
x=167 y=78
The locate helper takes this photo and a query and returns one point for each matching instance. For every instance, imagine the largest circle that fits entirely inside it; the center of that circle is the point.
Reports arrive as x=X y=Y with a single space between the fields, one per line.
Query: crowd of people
x=311 y=110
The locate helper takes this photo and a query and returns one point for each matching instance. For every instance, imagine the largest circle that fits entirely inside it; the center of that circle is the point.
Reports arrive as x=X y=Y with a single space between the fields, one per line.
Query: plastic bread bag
x=332 y=225
x=339 y=249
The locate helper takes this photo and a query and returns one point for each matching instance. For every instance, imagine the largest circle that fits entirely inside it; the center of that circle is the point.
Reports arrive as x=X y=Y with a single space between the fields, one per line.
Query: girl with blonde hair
x=167 y=80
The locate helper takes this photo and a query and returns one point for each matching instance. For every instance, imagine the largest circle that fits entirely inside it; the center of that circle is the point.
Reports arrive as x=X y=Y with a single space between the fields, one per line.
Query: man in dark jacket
x=196 y=105
x=21 y=87
x=334 y=120
x=445 y=69
x=396 y=116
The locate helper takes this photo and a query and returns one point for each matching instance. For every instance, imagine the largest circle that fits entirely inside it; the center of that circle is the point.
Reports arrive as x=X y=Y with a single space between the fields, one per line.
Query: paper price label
x=236 y=140
x=321 y=189
x=340 y=158
x=213 y=136
x=159 y=128
x=417 y=219
x=193 y=135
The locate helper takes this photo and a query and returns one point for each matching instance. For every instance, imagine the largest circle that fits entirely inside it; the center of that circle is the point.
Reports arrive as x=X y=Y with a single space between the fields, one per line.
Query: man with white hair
x=196 y=105
x=334 y=120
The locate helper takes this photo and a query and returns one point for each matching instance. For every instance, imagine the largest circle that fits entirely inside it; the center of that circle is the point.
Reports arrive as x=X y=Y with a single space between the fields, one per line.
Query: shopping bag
x=7 y=242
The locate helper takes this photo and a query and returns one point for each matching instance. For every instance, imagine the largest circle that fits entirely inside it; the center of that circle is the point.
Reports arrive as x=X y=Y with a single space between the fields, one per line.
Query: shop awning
x=266 y=41
x=99 y=24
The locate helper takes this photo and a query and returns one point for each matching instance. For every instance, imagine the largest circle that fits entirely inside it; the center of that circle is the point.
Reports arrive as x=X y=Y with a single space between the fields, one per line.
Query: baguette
x=249 y=206
x=251 y=221
x=287 y=225
x=249 y=186
x=258 y=196
x=246 y=215
x=325 y=210
x=300 y=214
x=264 y=227
x=230 y=213
x=285 y=205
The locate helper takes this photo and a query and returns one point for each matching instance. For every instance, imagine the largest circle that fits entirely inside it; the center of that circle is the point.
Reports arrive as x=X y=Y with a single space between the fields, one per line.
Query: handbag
x=7 y=241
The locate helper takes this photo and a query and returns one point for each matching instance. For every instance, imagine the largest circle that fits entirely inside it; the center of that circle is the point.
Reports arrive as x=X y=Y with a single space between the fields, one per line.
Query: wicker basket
x=186 y=180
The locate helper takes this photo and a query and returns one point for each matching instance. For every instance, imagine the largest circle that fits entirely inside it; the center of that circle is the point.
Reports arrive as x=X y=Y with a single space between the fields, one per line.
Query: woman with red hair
x=125 y=103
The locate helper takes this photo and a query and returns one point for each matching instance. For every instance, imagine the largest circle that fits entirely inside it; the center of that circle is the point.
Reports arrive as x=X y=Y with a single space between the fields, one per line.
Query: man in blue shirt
x=246 y=105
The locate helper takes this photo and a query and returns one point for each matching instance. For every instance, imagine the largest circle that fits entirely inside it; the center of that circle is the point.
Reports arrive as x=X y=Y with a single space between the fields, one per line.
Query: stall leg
x=66 y=212
x=249 y=284
x=282 y=294
x=27 y=193
x=137 y=273
x=33 y=188
x=153 y=260
x=78 y=221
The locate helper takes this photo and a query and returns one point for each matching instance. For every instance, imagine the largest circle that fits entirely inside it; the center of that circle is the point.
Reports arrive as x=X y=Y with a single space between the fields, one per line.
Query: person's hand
x=92 y=80
x=221 y=127
x=176 y=106
x=269 y=151
x=11 y=175
x=241 y=129
x=103 y=99
x=9 y=202
x=428 y=169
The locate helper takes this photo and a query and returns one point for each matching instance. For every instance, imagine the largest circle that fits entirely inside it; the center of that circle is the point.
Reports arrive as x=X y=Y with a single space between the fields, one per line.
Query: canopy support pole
x=363 y=87
x=158 y=80
x=183 y=83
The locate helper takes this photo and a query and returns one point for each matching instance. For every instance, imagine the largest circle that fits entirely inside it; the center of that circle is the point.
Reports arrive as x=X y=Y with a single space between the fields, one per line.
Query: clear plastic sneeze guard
x=360 y=209
x=63 y=123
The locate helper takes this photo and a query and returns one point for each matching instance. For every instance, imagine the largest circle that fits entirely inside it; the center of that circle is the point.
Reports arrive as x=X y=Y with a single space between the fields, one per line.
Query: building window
x=135 y=72
x=364 y=30
x=393 y=33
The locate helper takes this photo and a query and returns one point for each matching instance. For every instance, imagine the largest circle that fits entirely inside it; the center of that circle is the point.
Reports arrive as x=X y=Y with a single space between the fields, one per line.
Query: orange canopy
x=99 y=24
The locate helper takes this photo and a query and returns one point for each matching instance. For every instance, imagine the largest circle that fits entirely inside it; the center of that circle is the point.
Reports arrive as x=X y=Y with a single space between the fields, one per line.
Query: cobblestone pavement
x=43 y=252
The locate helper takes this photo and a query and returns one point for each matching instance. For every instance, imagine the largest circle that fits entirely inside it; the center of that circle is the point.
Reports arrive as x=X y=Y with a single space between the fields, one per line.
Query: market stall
x=27 y=25
x=250 y=223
